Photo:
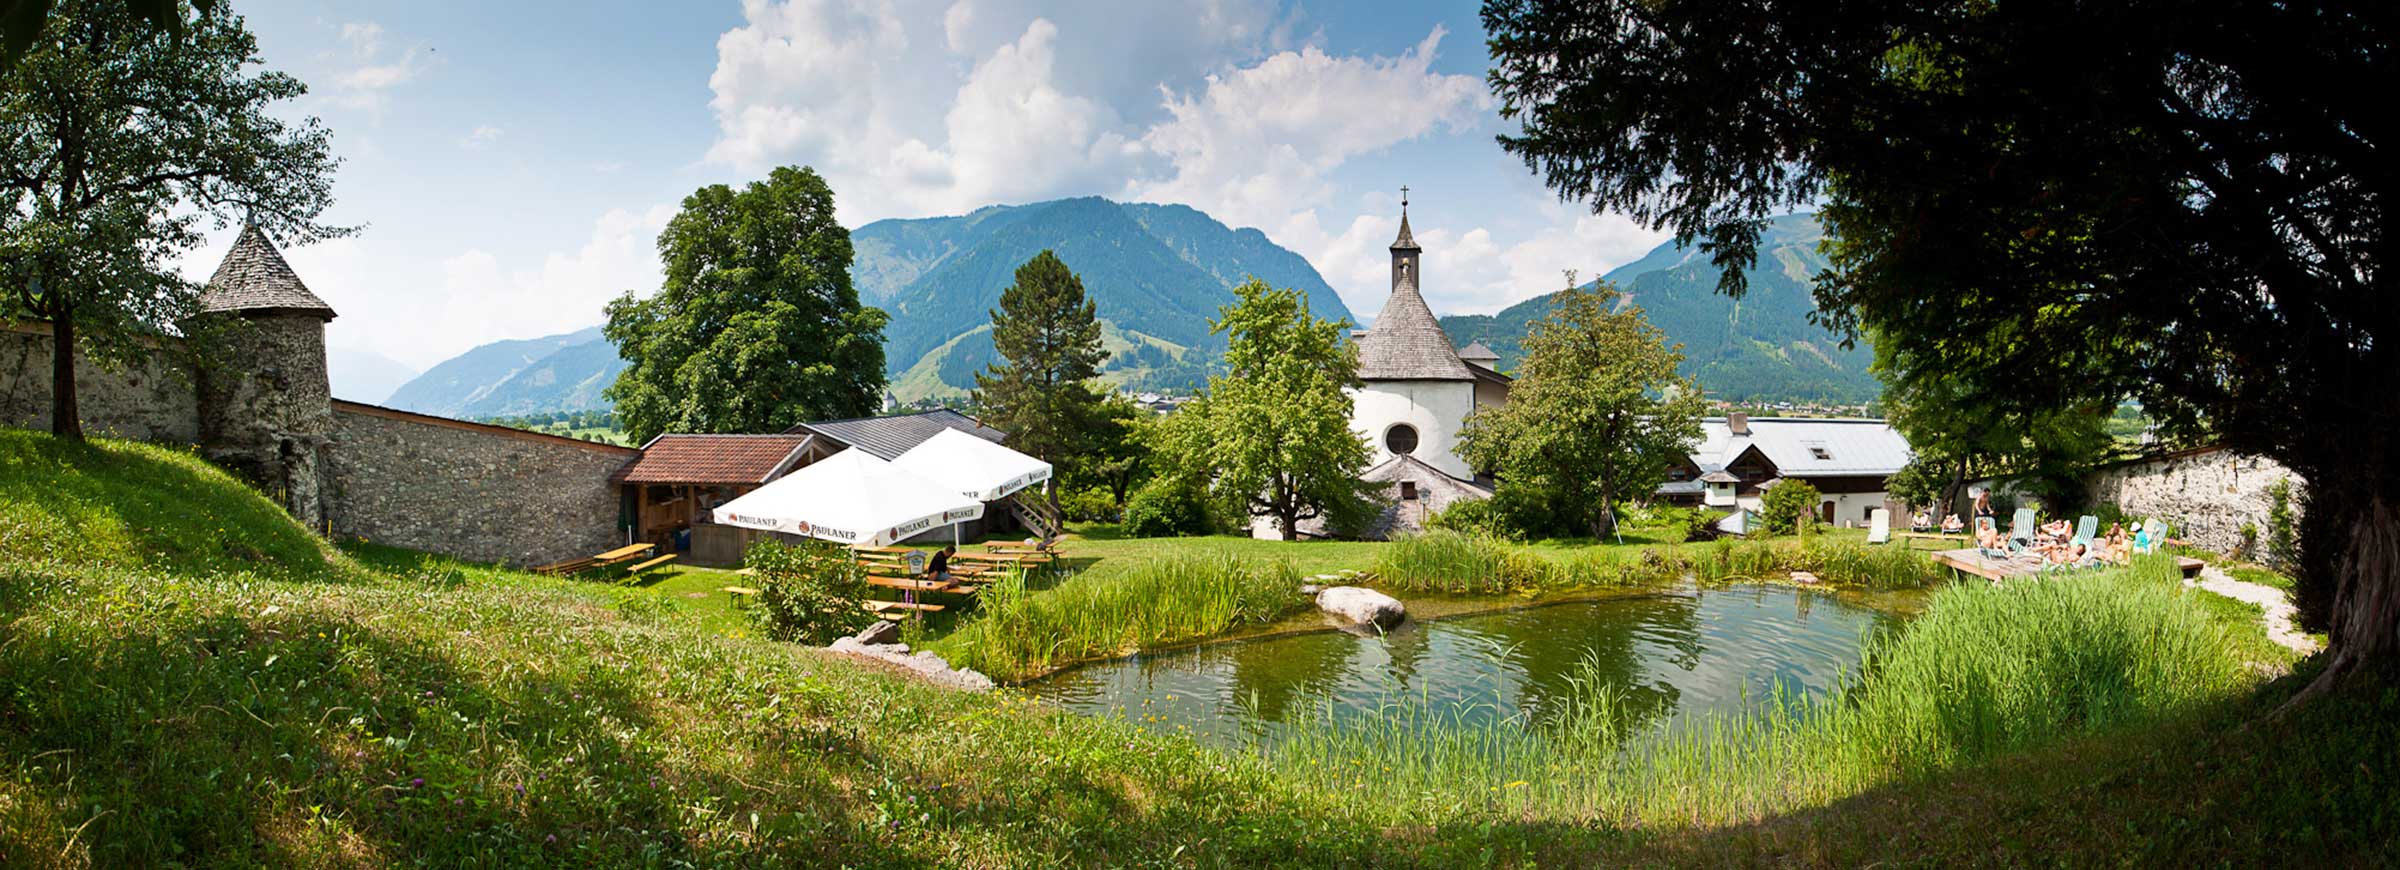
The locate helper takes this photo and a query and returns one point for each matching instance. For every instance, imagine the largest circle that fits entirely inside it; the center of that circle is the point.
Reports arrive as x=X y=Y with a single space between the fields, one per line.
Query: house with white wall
x=1739 y=457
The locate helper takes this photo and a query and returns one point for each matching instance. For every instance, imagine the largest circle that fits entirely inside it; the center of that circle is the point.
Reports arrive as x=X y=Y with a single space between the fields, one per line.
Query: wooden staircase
x=1035 y=513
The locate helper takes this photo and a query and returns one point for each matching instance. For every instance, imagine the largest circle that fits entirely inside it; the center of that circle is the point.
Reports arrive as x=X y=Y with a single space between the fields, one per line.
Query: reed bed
x=1988 y=670
x=1462 y=563
x=1015 y=635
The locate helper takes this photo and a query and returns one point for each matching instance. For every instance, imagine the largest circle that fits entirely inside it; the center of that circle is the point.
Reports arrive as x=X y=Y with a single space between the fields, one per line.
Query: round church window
x=1400 y=439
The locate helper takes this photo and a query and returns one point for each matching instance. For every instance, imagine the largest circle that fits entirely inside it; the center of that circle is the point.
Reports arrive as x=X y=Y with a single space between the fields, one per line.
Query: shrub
x=2283 y=538
x=1474 y=516
x=1179 y=598
x=1676 y=525
x=1789 y=504
x=807 y=593
x=1091 y=504
x=1166 y=507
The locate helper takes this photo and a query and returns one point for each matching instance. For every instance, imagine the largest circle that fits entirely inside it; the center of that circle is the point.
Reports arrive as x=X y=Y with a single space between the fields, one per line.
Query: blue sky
x=513 y=162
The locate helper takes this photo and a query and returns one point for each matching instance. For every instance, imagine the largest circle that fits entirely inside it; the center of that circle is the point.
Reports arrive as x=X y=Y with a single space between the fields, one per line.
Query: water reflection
x=1672 y=656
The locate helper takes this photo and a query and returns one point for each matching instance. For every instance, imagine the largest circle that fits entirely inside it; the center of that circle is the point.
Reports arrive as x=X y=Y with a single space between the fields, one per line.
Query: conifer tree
x=1048 y=335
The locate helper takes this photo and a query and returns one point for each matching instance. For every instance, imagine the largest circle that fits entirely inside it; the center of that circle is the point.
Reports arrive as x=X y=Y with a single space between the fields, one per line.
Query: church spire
x=1405 y=242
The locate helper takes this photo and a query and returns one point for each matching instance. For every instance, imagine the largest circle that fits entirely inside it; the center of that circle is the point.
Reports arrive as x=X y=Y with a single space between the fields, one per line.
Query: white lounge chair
x=1879 y=526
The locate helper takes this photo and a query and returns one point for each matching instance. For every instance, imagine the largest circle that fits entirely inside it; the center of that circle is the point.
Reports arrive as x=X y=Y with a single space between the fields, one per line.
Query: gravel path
x=2278 y=606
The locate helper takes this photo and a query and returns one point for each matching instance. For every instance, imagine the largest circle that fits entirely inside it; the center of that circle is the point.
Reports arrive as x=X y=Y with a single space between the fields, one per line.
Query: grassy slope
x=186 y=677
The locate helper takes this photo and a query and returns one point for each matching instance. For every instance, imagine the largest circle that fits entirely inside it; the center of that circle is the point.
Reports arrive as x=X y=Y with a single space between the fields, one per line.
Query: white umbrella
x=976 y=468
x=850 y=498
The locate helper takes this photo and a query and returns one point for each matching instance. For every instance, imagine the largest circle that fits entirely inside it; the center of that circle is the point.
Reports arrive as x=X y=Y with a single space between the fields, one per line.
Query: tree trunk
x=1950 y=493
x=1604 y=523
x=66 y=418
x=2365 y=630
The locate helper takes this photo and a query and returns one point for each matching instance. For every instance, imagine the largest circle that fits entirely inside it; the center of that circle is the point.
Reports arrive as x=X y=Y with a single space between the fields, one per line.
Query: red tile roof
x=712 y=459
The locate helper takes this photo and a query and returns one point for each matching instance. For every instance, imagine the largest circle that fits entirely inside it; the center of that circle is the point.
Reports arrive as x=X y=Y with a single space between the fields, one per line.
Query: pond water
x=1675 y=654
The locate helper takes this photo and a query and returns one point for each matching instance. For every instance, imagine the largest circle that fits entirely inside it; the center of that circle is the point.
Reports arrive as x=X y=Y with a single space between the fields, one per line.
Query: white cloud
x=481 y=137
x=565 y=292
x=369 y=74
x=1254 y=146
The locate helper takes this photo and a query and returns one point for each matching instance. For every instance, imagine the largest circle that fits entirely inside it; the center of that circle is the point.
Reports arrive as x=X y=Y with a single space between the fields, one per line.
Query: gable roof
x=255 y=279
x=1807 y=447
x=888 y=437
x=1477 y=352
x=714 y=460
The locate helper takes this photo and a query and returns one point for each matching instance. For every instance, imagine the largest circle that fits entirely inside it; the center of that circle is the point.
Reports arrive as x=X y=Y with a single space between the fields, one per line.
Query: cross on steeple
x=1403 y=199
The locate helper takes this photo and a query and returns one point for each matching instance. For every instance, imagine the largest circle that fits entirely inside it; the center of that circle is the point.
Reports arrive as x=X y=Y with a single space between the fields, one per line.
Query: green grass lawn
x=187 y=678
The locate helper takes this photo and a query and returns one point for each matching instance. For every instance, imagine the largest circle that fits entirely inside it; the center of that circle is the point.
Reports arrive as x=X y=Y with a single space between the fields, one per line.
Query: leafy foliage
x=757 y=327
x=1597 y=413
x=2185 y=215
x=1049 y=341
x=807 y=592
x=116 y=140
x=1167 y=506
x=1955 y=439
x=1274 y=431
x=1790 y=506
x=1472 y=516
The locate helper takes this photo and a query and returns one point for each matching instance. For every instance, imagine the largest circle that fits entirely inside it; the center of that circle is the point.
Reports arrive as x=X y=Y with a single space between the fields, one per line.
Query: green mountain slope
x=1156 y=273
x=470 y=381
x=1761 y=348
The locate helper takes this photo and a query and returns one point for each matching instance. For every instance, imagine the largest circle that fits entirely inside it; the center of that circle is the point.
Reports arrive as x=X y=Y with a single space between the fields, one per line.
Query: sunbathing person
x=2119 y=549
x=1951 y=525
x=1987 y=538
x=1922 y=521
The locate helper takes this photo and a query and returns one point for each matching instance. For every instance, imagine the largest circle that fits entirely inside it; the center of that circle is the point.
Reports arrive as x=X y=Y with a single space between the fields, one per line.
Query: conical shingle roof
x=1406 y=241
x=1407 y=343
x=254 y=279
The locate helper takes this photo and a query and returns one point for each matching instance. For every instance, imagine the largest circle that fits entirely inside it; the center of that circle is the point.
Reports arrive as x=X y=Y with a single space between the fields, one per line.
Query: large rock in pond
x=1362 y=606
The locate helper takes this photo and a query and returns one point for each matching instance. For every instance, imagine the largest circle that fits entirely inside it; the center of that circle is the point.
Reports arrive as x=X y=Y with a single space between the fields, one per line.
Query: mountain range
x=1157 y=274
x=1762 y=347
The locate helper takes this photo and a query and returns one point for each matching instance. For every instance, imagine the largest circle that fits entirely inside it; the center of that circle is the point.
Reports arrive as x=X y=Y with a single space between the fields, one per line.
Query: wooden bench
x=890 y=606
x=617 y=556
x=741 y=595
x=570 y=566
x=645 y=566
x=909 y=584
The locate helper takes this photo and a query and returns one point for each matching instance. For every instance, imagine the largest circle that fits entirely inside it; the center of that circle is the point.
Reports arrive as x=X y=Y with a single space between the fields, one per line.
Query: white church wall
x=1436 y=408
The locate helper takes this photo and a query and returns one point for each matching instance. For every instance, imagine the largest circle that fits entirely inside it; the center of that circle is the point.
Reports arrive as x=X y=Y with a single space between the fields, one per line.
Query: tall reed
x=1182 y=597
x=1460 y=563
x=1465 y=563
x=1988 y=670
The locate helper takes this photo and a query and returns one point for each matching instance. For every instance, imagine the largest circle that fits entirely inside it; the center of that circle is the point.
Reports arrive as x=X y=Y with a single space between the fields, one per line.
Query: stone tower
x=266 y=406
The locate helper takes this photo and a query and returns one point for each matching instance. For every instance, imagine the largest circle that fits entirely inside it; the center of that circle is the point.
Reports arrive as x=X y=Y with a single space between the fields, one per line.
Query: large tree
x=117 y=143
x=1273 y=432
x=1955 y=441
x=757 y=327
x=2178 y=202
x=1048 y=335
x=1597 y=413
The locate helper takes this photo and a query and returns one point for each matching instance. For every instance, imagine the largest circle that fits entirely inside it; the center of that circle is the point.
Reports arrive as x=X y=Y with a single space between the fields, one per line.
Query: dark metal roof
x=255 y=279
x=888 y=437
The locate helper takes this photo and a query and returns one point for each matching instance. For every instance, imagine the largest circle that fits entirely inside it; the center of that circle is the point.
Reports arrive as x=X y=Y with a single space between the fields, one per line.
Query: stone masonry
x=2208 y=494
x=470 y=490
x=151 y=400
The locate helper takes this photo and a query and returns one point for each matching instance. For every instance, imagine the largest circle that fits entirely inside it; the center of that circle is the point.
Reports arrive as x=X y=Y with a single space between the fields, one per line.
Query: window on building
x=1400 y=439
x=1408 y=490
x=1820 y=453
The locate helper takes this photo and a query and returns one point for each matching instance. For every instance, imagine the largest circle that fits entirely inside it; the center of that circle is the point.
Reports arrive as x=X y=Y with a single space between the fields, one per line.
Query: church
x=1415 y=392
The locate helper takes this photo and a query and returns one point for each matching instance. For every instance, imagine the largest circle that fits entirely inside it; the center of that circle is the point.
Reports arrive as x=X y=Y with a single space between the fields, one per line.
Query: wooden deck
x=1973 y=561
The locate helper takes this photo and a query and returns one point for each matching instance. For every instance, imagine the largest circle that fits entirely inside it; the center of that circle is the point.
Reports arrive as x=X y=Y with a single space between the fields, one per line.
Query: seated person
x=2056 y=530
x=2141 y=539
x=2117 y=547
x=1987 y=538
x=1951 y=525
x=938 y=569
x=1920 y=522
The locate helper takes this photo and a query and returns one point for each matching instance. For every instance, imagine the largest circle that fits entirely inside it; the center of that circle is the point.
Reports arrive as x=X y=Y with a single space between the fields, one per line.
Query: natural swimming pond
x=1674 y=654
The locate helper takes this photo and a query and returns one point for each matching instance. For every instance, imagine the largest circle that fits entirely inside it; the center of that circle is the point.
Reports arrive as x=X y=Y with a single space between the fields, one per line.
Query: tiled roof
x=255 y=278
x=888 y=437
x=714 y=460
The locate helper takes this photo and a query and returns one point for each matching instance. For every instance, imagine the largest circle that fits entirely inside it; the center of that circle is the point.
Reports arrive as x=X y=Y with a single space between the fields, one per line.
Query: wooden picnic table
x=619 y=555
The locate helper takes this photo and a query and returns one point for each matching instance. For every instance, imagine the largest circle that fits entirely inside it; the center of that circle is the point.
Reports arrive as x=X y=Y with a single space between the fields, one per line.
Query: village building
x=1739 y=458
x=1416 y=390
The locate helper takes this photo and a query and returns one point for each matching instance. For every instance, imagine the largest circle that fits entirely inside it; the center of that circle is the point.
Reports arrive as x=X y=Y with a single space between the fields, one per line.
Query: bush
x=1676 y=525
x=2283 y=537
x=807 y=593
x=1474 y=516
x=1091 y=504
x=1167 y=507
x=1787 y=505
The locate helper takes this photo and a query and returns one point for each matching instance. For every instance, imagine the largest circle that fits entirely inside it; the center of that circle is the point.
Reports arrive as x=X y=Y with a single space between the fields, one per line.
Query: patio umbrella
x=976 y=468
x=850 y=498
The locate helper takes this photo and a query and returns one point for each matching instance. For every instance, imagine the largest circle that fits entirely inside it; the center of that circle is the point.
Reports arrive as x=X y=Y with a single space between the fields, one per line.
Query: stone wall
x=2207 y=494
x=266 y=413
x=478 y=492
x=153 y=399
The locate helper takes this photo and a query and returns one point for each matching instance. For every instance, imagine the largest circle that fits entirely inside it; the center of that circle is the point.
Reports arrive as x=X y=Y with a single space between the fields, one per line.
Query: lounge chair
x=1879 y=526
x=2087 y=527
x=1982 y=525
x=2020 y=529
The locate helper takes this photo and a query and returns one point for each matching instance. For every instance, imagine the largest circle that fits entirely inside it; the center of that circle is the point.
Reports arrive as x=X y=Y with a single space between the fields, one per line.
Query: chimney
x=1738 y=423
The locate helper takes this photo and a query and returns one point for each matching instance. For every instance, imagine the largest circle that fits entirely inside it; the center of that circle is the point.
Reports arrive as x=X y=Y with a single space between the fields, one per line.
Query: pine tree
x=1048 y=335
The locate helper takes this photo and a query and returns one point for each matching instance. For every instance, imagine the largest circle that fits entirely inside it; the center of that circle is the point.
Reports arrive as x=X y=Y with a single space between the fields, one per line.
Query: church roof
x=255 y=279
x=1476 y=352
x=1405 y=242
x=1407 y=343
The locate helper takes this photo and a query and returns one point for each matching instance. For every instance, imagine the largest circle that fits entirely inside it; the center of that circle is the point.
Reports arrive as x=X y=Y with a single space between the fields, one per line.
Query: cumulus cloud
x=481 y=137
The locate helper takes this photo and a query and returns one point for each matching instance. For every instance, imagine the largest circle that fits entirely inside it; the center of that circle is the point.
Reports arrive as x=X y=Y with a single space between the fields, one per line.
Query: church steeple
x=1404 y=250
